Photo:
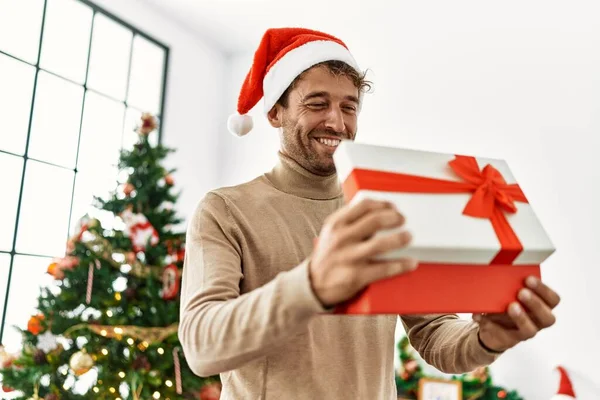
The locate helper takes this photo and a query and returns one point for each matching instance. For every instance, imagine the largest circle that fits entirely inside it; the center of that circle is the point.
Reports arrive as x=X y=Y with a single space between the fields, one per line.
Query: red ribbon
x=491 y=198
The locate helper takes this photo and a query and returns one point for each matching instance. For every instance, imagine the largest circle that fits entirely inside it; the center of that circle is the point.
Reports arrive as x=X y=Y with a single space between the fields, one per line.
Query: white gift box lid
x=441 y=232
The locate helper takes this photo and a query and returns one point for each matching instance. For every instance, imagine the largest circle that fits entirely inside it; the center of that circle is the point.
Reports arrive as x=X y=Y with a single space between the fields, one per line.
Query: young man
x=257 y=293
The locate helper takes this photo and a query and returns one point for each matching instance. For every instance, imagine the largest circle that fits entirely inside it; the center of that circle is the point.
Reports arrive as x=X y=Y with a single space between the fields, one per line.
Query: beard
x=301 y=146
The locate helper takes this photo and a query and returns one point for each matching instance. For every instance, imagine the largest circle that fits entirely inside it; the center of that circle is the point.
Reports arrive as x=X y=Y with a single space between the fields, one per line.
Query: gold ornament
x=81 y=362
x=149 y=335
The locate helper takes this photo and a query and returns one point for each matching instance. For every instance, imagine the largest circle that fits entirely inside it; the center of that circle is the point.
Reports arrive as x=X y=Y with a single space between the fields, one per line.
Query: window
x=74 y=81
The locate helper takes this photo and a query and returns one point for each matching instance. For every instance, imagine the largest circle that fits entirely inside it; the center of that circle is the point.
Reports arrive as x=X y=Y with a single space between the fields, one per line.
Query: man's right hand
x=343 y=261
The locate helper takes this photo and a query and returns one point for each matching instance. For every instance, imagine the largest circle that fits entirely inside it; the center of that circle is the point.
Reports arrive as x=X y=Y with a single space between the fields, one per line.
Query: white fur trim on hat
x=239 y=125
x=296 y=61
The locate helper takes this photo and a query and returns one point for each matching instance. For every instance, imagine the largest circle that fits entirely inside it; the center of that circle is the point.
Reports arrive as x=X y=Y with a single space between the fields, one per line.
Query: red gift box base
x=439 y=288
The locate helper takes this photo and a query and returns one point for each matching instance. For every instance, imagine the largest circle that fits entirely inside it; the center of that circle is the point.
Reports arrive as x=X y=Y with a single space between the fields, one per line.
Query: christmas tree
x=476 y=385
x=110 y=321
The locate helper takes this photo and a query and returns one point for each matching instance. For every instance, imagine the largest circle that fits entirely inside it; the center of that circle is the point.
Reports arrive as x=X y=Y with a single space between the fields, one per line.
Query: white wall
x=243 y=158
x=520 y=83
x=194 y=102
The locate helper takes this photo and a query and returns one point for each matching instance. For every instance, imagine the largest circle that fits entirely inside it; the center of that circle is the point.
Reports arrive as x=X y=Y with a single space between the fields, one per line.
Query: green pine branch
x=473 y=386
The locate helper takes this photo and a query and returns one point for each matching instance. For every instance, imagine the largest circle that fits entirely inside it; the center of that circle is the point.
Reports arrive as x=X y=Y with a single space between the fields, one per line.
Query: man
x=257 y=294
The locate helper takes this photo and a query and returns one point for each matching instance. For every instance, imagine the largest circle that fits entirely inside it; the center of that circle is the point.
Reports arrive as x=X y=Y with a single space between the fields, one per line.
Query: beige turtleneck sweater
x=249 y=314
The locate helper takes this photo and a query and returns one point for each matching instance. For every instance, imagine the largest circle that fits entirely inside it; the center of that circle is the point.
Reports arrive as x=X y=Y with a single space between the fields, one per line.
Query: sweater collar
x=290 y=177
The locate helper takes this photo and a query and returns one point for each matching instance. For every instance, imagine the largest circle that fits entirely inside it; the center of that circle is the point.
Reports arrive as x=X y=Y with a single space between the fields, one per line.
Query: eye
x=351 y=109
x=317 y=105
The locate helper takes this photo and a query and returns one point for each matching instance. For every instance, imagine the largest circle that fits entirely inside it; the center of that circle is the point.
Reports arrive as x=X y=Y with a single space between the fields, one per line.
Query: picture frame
x=439 y=389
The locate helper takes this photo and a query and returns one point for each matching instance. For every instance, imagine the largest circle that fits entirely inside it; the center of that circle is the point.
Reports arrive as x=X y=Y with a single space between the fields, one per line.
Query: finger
x=378 y=245
x=374 y=271
x=353 y=211
x=549 y=296
x=539 y=310
x=367 y=225
x=526 y=328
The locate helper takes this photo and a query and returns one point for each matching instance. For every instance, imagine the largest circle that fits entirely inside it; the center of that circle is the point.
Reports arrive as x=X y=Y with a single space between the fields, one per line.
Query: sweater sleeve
x=447 y=342
x=221 y=329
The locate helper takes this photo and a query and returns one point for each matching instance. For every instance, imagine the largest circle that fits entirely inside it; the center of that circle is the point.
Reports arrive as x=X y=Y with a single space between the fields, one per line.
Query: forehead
x=320 y=79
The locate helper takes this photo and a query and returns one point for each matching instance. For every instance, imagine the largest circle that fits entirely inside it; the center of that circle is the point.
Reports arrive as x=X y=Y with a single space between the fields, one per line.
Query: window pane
x=132 y=121
x=97 y=182
x=145 y=82
x=100 y=132
x=16 y=89
x=66 y=38
x=29 y=275
x=20 y=23
x=43 y=221
x=56 y=116
x=12 y=169
x=109 y=61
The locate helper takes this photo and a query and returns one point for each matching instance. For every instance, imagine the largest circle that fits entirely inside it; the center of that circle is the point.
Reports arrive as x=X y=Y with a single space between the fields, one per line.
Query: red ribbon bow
x=490 y=190
x=492 y=196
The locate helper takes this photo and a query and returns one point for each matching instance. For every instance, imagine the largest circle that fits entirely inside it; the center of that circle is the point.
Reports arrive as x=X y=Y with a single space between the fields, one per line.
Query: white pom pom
x=239 y=125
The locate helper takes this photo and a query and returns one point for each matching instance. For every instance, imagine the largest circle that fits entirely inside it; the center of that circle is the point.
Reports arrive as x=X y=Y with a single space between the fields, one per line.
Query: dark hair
x=337 y=68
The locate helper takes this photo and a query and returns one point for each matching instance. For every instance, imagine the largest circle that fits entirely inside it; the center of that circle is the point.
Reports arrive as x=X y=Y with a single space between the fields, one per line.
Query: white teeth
x=329 y=142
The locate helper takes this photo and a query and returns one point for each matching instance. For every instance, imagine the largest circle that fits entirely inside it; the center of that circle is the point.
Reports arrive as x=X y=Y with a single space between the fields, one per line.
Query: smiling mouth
x=333 y=143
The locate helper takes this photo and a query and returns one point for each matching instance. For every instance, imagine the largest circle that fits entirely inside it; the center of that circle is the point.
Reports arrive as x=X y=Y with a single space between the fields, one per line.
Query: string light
x=130 y=341
x=112 y=389
x=95 y=389
x=121 y=374
x=118 y=296
x=103 y=332
x=169 y=383
x=160 y=351
x=156 y=395
x=109 y=313
x=118 y=331
x=105 y=352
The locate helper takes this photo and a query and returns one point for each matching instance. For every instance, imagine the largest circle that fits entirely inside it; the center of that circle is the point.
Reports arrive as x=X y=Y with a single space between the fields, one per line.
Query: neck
x=290 y=177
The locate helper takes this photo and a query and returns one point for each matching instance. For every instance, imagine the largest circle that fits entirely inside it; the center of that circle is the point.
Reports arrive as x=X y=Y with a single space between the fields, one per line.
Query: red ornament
x=180 y=256
x=169 y=180
x=501 y=394
x=170 y=279
x=130 y=257
x=128 y=188
x=34 y=325
x=212 y=391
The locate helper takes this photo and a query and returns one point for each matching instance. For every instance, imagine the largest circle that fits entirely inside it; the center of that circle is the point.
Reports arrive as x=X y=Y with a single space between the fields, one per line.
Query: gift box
x=475 y=235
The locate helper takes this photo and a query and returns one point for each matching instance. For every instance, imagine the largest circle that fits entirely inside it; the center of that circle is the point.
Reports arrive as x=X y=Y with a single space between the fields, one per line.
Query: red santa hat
x=282 y=55
x=565 y=386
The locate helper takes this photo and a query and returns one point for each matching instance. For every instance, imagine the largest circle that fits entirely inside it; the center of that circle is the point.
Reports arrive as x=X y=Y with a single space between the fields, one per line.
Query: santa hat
x=565 y=386
x=282 y=55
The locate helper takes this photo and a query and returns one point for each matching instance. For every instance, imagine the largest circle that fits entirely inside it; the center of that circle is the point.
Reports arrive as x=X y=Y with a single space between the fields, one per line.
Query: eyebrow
x=313 y=95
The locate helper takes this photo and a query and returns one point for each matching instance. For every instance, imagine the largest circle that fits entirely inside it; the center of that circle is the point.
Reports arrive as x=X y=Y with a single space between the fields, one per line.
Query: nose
x=335 y=120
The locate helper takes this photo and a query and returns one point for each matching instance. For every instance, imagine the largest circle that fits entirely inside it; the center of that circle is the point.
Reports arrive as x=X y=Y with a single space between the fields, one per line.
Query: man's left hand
x=524 y=319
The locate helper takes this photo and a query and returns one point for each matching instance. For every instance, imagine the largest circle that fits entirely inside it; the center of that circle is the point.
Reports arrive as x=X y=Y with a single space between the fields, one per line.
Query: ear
x=275 y=116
